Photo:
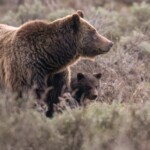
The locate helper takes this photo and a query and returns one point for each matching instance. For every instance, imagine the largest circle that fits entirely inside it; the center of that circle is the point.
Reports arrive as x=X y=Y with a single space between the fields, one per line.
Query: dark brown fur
x=85 y=86
x=57 y=82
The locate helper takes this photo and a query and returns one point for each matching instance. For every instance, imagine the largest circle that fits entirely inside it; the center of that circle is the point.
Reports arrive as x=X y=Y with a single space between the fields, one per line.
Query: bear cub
x=85 y=87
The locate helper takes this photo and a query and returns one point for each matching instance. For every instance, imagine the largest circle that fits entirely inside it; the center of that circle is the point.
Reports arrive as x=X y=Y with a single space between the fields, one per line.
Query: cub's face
x=89 y=84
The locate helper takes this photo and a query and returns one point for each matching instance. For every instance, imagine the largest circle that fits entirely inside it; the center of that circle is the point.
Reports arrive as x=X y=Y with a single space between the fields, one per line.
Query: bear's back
x=6 y=29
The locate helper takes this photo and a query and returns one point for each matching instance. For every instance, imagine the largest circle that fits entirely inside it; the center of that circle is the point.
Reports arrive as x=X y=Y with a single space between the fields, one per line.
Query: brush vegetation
x=120 y=119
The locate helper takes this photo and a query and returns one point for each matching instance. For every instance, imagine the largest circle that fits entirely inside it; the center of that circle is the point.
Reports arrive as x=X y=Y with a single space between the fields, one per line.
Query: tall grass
x=98 y=126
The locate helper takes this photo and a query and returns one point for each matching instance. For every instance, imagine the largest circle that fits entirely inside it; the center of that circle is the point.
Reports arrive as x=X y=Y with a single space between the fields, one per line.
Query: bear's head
x=89 y=42
x=87 y=85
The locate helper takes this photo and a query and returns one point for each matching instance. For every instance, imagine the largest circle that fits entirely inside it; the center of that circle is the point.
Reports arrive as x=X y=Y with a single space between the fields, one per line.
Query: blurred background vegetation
x=121 y=118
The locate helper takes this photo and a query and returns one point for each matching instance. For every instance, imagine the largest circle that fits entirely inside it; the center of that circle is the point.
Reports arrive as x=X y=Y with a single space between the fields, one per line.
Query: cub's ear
x=75 y=22
x=80 y=13
x=98 y=75
x=80 y=76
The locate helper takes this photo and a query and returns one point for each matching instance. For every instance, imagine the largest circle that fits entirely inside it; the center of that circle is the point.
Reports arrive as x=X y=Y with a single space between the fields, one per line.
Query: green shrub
x=11 y=19
x=105 y=22
x=141 y=13
x=98 y=126
x=25 y=12
x=32 y=11
x=59 y=14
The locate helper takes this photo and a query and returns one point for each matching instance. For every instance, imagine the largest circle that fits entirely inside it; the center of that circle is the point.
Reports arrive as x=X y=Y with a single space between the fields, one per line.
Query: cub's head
x=87 y=84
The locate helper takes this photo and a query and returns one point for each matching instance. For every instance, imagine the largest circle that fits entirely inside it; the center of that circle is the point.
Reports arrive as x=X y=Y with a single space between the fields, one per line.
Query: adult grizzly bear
x=37 y=49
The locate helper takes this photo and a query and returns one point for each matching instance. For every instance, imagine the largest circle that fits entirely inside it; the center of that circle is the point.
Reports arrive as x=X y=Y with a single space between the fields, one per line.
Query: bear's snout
x=105 y=44
x=109 y=46
x=93 y=94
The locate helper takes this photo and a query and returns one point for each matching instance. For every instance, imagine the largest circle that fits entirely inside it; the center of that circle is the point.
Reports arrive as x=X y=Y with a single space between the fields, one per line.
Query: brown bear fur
x=38 y=48
x=85 y=86
x=55 y=84
x=84 y=90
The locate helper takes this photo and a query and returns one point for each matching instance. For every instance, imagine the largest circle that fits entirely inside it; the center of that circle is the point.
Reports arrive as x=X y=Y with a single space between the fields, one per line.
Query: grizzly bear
x=38 y=48
x=85 y=86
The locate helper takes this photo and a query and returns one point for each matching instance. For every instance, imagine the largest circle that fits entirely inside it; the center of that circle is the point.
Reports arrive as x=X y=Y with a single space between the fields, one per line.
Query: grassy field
x=120 y=119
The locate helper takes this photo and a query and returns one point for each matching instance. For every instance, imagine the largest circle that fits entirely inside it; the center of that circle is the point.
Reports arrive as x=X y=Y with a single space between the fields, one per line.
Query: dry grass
x=98 y=126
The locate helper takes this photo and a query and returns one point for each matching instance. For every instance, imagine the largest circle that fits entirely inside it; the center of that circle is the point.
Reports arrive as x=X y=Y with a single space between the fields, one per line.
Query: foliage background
x=120 y=120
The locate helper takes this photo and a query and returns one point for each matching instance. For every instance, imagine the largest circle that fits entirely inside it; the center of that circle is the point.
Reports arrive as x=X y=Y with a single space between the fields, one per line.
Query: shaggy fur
x=57 y=82
x=84 y=87
x=31 y=52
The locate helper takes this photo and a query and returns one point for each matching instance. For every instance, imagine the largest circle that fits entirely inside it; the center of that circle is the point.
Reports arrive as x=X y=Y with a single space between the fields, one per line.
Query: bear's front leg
x=56 y=84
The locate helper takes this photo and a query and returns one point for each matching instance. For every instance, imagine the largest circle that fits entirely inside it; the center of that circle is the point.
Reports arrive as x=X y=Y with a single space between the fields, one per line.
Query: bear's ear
x=98 y=75
x=80 y=76
x=80 y=13
x=75 y=22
